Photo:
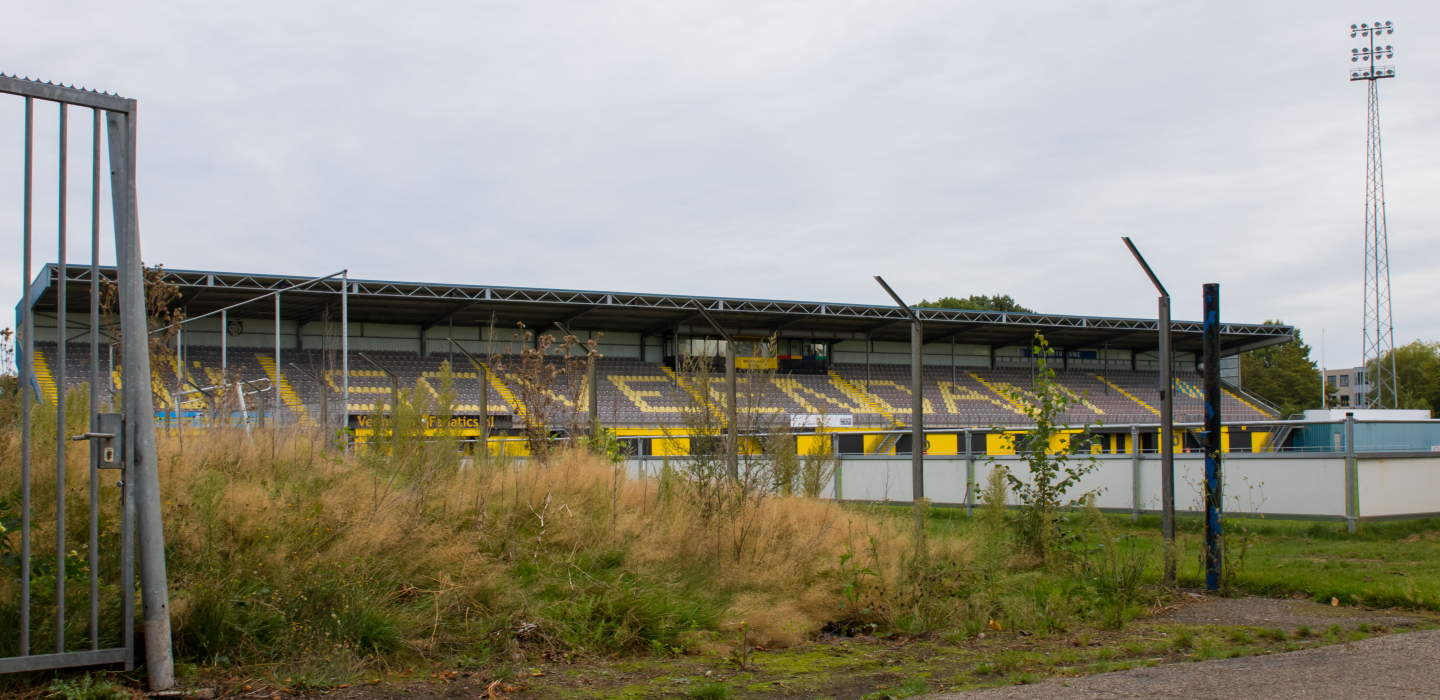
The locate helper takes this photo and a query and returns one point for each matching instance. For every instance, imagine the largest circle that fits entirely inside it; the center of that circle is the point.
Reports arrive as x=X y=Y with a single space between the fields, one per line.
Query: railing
x=1269 y=407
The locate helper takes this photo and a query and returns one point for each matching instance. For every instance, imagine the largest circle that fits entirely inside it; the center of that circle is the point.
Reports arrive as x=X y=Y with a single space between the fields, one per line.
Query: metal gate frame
x=135 y=436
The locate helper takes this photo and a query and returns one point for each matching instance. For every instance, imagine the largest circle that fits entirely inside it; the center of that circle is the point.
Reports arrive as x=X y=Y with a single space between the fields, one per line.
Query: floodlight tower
x=1378 y=334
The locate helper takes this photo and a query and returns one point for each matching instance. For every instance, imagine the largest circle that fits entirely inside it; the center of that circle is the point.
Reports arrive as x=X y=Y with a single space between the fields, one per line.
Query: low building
x=1350 y=386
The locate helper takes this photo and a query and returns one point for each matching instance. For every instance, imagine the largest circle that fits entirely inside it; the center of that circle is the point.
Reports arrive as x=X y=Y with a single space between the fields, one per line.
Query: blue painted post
x=1213 y=493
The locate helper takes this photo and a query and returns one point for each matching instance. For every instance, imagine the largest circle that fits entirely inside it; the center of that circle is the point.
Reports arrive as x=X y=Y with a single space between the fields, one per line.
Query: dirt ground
x=1288 y=615
x=853 y=668
x=1397 y=666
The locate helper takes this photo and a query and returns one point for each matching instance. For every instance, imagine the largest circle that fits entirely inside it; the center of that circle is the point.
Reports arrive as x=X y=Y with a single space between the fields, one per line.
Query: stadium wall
x=1283 y=486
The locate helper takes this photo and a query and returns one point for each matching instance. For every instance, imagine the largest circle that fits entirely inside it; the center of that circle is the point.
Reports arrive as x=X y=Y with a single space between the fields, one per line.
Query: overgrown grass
x=320 y=567
x=1392 y=564
x=1382 y=565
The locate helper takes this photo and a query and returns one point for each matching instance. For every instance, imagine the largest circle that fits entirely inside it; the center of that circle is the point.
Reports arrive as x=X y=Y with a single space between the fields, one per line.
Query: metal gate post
x=61 y=335
x=144 y=475
x=95 y=387
x=1134 y=473
x=27 y=377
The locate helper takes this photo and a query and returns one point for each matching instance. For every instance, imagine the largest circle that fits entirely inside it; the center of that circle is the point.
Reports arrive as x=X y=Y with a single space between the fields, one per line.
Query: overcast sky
x=760 y=149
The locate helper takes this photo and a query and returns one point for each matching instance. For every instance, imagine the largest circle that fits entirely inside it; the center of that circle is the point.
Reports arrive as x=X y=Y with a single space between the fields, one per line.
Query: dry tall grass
x=286 y=552
x=283 y=551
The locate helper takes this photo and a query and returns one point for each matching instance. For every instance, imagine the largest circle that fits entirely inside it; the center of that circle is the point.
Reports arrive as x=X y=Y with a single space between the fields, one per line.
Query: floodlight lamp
x=1353 y=27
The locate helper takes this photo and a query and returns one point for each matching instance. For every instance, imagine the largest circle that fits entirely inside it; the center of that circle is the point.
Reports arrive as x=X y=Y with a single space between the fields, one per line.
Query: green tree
x=1283 y=375
x=977 y=302
x=1057 y=456
x=1417 y=376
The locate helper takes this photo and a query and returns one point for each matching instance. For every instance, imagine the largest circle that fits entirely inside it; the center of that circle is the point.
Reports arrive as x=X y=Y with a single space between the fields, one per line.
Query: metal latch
x=108 y=437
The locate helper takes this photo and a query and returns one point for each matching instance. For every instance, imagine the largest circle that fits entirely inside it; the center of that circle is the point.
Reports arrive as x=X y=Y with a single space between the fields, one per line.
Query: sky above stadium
x=760 y=149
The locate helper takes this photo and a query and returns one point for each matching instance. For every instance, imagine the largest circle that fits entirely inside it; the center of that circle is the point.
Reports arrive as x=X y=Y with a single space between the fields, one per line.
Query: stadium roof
x=430 y=305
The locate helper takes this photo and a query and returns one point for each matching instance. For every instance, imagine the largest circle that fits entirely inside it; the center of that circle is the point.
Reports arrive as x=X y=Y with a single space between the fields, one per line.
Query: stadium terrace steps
x=500 y=388
x=635 y=393
x=44 y=379
x=287 y=390
x=1003 y=390
x=864 y=398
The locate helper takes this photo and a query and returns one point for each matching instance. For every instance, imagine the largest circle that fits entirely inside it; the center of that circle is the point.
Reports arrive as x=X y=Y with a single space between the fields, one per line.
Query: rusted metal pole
x=1214 y=483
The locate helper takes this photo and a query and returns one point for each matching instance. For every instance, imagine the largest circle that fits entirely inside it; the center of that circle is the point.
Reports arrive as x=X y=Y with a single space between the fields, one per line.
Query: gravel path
x=1285 y=614
x=1393 y=666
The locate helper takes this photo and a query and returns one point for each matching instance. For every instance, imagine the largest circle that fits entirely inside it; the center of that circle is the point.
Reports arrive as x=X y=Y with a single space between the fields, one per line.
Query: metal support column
x=969 y=476
x=94 y=556
x=1134 y=473
x=1167 y=421
x=917 y=404
x=27 y=379
x=1352 y=491
x=592 y=398
x=278 y=371
x=1167 y=444
x=345 y=352
x=61 y=337
x=1214 y=480
x=224 y=347
x=732 y=428
x=917 y=410
x=140 y=411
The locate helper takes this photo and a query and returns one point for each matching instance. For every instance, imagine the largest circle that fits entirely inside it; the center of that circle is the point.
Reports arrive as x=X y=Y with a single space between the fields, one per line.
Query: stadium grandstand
x=849 y=362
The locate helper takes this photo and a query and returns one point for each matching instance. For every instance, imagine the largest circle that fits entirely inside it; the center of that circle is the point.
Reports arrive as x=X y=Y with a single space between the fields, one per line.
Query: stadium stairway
x=287 y=391
x=864 y=398
x=1000 y=391
x=503 y=391
x=43 y=379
